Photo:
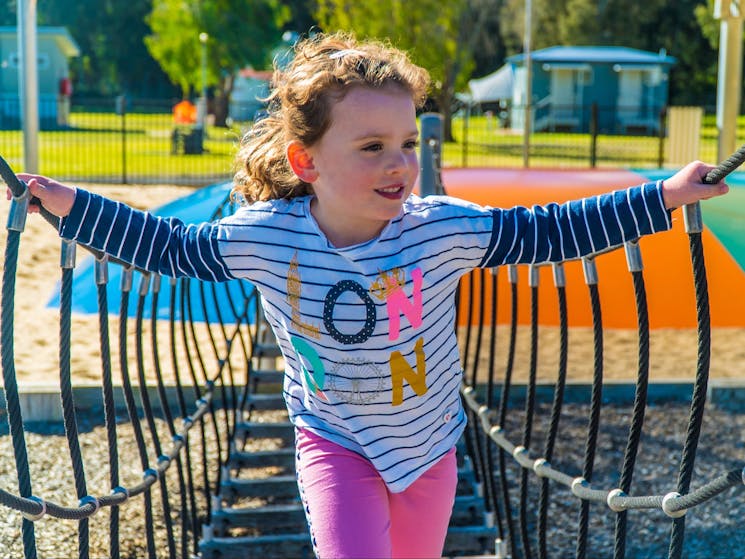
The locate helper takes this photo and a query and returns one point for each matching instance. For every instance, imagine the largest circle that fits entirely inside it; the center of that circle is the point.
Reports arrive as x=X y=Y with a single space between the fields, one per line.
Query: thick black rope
x=188 y=515
x=594 y=420
x=68 y=403
x=479 y=458
x=556 y=408
x=490 y=446
x=698 y=401
x=148 y=410
x=12 y=399
x=186 y=331
x=167 y=414
x=504 y=399
x=528 y=419
x=640 y=405
x=109 y=407
x=129 y=400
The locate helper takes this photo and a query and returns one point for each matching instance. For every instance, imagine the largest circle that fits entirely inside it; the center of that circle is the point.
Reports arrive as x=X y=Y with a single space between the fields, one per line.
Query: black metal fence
x=121 y=140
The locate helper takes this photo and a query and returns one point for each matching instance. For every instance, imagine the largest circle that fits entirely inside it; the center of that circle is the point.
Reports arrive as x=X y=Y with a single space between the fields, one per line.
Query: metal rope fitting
x=633 y=256
x=590 y=270
x=121 y=490
x=533 y=275
x=38 y=515
x=90 y=499
x=668 y=500
x=150 y=472
x=560 y=279
x=577 y=483
x=512 y=273
x=611 y=501
x=539 y=465
x=67 y=254
x=694 y=222
x=126 y=281
x=102 y=270
x=164 y=459
x=18 y=211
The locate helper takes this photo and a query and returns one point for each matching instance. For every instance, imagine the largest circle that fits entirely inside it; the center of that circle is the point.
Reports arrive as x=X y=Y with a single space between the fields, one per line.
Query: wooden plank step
x=265 y=402
x=246 y=430
x=261 y=350
x=277 y=518
x=277 y=487
x=249 y=547
x=283 y=458
x=266 y=376
x=460 y=541
x=466 y=511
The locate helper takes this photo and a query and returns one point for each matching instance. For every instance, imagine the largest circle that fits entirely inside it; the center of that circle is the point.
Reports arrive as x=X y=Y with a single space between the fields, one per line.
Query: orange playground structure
x=666 y=257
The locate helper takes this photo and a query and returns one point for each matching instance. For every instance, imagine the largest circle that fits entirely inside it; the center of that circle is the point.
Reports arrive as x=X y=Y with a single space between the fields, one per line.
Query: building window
x=41 y=57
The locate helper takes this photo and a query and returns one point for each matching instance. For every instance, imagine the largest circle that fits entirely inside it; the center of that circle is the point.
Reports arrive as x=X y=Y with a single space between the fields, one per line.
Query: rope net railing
x=524 y=525
x=182 y=381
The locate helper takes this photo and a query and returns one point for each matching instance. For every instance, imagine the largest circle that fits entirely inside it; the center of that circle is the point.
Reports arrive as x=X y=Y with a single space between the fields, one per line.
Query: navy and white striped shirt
x=367 y=331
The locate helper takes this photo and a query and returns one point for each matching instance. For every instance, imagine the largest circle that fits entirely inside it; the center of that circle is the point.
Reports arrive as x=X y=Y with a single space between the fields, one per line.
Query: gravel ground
x=713 y=530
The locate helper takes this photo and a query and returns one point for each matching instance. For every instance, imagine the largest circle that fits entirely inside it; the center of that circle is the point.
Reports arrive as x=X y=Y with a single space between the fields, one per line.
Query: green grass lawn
x=138 y=147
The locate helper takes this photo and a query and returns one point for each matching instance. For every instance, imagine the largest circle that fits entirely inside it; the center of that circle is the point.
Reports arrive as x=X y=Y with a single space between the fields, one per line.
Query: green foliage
x=239 y=32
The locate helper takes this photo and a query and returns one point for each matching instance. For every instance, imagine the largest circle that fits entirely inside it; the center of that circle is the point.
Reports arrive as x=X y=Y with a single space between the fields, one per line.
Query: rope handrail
x=615 y=499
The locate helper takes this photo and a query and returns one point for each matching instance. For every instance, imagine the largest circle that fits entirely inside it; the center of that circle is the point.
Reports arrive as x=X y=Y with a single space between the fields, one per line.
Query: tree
x=240 y=32
x=439 y=35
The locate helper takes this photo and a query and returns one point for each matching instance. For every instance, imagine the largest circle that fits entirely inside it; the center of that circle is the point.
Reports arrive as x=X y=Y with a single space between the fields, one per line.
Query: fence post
x=430 y=153
x=593 y=135
x=661 y=136
x=121 y=109
x=464 y=147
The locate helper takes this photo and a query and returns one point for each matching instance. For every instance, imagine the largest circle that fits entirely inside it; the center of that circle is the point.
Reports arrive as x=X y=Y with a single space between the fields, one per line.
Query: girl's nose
x=399 y=162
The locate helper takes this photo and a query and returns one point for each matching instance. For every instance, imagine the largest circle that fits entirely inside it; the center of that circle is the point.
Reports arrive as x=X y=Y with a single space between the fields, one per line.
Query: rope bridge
x=190 y=448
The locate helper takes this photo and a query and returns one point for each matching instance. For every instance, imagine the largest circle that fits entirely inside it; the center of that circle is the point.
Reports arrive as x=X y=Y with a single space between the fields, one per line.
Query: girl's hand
x=687 y=186
x=56 y=197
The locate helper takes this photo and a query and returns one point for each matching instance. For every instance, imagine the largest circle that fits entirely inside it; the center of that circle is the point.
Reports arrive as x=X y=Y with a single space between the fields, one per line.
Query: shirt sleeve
x=156 y=244
x=557 y=232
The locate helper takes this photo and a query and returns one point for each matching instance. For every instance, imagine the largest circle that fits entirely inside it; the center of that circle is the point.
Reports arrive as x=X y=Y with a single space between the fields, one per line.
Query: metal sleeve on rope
x=633 y=256
x=512 y=273
x=102 y=270
x=590 y=270
x=613 y=498
x=90 y=500
x=18 y=212
x=668 y=505
x=533 y=275
x=67 y=254
x=40 y=514
x=694 y=222
x=560 y=279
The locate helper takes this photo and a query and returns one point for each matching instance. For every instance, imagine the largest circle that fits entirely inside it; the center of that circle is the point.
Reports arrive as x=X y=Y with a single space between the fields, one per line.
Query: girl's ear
x=301 y=162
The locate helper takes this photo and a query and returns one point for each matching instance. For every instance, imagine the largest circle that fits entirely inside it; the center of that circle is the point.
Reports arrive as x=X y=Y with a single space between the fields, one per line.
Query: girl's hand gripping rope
x=689 y=185
x=56 y=197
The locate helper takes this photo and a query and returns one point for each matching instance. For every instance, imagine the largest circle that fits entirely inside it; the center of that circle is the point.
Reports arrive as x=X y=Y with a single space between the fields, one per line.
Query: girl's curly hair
x=322 y=71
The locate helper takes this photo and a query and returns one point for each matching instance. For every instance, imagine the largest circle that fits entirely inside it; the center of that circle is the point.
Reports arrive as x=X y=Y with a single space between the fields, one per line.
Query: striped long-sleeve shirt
x=367 y=331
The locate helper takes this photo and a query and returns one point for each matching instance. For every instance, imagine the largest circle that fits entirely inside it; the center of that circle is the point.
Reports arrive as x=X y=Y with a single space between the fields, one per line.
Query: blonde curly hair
x=322 y=71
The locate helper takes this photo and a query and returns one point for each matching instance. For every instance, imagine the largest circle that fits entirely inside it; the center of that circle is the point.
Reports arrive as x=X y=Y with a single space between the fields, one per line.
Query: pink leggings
x=351 y=513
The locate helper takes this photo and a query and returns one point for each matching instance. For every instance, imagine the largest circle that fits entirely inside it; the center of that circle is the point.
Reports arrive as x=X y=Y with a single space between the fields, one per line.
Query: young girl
x=358 y=277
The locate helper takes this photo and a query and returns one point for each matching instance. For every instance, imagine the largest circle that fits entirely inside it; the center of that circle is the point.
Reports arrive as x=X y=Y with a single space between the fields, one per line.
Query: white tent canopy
x=492 y=88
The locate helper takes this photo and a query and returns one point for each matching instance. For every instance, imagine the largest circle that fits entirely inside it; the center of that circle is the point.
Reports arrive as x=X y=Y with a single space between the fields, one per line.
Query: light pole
x=202 y=106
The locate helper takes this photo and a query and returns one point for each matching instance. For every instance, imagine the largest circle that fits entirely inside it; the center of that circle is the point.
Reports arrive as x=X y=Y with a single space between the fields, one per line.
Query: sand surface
x=672 y=352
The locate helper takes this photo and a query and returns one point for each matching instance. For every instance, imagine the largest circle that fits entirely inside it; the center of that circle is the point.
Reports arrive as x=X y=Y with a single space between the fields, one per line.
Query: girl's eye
x=411 y=144
x=373 y=147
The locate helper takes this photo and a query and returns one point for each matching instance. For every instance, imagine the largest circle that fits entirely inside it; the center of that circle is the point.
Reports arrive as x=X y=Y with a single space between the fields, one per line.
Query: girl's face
x=365 y=165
